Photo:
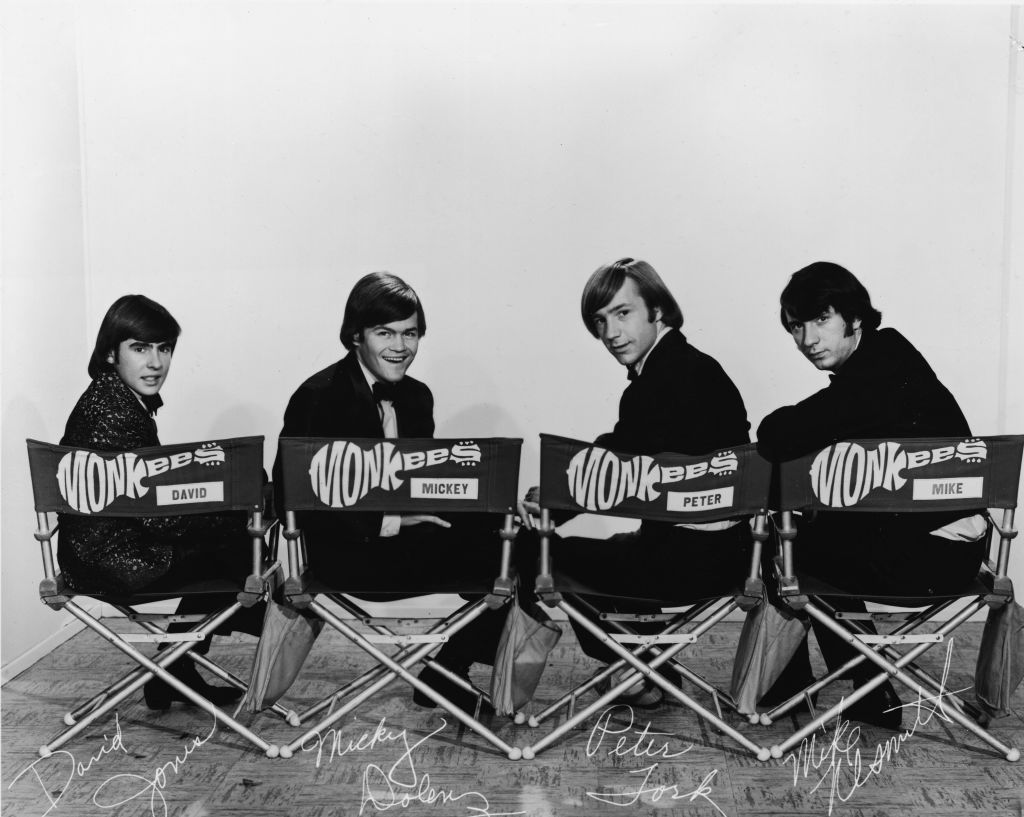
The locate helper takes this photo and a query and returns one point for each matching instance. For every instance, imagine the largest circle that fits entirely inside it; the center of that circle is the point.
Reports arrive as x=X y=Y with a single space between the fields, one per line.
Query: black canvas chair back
x=899 y=476
x=173 y=480
x=396 y=476
x=585 y=477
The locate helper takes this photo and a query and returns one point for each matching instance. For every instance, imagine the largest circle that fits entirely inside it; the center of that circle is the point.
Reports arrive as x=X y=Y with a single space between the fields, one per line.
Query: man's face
x=827 y=340
x=388 y=350
x=142 y=366
x=624 y=326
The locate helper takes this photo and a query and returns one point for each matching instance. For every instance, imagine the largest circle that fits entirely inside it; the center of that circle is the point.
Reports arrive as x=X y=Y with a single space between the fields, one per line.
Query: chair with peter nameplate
x=327 y=481
x=896 y=479
x=725 y=491
x=157 y=483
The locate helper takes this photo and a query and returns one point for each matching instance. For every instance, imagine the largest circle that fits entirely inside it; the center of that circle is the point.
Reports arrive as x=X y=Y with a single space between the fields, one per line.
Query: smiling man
x=678 y=399
x=368 y=394
x=880 y=386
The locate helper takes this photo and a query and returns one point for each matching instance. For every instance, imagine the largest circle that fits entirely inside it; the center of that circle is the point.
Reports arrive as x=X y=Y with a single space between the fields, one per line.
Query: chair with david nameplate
x=153 y=488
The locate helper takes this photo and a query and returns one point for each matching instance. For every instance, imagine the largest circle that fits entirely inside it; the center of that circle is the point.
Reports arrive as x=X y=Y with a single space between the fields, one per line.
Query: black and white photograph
x=490 y=408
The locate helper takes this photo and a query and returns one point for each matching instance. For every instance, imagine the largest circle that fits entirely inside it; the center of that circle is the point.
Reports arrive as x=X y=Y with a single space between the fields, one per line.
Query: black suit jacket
x=682 y=401
x=337 y=402
x=885 y=389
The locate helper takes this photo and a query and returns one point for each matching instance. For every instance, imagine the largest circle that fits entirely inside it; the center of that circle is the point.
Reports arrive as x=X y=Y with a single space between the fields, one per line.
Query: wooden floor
x=664 y=762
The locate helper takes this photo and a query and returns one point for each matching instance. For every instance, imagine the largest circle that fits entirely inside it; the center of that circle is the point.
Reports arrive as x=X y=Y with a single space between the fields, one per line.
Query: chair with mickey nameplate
x=151 y=483
x=399 y=476
x=723 y=488
x=900 y=477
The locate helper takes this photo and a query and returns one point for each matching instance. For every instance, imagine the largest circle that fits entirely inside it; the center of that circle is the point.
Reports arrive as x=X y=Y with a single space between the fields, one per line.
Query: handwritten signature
x=156 y=784
x=844 y=769
x=73 y=767
x=401 y=784
x=632 y=742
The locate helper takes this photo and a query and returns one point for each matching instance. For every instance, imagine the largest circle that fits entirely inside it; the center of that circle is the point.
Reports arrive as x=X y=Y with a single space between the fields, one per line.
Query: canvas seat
x=904 y=476
x=398 y=475
x=173 y=480
x=583 y=477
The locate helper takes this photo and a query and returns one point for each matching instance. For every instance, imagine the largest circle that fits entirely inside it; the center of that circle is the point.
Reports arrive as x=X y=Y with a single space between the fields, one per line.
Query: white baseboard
x=69 y=627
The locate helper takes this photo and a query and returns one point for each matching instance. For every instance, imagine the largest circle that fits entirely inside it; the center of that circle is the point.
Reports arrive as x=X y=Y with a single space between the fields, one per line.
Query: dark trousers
x=425 y=558
x=646 y=570
x=873 y=554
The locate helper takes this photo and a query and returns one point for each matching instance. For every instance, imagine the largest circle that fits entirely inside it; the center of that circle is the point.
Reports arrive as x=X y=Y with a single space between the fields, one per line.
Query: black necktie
x=385 y=391
x=631 y=373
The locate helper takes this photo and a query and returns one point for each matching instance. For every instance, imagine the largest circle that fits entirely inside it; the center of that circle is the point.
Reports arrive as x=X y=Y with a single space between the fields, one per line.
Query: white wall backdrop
x=244 y=163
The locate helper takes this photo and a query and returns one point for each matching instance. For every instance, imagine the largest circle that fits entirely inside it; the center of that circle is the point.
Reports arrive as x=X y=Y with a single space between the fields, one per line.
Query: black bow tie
x=385 y=391
x=152 y=402
x=631 y=373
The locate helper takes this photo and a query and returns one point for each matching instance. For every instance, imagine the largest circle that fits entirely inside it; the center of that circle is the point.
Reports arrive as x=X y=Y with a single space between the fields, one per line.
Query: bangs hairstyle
x=376 y=299
x=134 y=317
x=816 y=287
x=605 y=281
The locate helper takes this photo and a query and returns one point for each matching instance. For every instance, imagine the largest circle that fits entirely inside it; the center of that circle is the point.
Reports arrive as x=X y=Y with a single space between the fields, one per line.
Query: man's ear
x=657 y=314
x=856 y=324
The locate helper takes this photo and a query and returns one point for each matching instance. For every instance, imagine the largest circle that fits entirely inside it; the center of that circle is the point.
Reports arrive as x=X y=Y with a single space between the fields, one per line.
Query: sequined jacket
x=120 y=555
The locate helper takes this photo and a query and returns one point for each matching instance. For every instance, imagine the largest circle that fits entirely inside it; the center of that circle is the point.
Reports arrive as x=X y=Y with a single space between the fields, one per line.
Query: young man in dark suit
x=880 y=386
x=368 y=394
x=679 y=399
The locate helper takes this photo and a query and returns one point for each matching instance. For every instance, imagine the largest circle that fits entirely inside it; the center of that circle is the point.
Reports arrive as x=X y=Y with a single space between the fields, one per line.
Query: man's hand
x=418 y=518
x=529 y=507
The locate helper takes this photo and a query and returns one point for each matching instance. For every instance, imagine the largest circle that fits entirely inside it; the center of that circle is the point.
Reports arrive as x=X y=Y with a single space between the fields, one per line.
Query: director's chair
x=397 y=475
x=173 y=480
x=583 y=477
x=899 y=477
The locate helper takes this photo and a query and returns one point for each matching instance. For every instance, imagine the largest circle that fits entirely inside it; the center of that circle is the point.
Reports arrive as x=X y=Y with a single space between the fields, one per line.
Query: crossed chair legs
x=158 y=666
x=673 y=643
x=625 y=634
x=415 y=649
x=877 y=650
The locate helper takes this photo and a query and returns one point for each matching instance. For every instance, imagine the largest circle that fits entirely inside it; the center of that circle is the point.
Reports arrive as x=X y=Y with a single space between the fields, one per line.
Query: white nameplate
x=949 y=488
x=192 y=492
x=694 y=501
x=443 y=488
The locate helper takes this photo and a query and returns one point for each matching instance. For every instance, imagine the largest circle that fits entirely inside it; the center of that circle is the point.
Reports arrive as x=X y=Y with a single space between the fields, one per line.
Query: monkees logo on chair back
x=581 y=476
x=401 y=474
x=165 y=480
x=906 y=475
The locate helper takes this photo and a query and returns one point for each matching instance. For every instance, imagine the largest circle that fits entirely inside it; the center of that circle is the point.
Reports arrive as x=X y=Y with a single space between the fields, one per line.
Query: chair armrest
x=753 y=592
x=262 y=529
x=54 y=592
x=501 y=592
x=295 y=591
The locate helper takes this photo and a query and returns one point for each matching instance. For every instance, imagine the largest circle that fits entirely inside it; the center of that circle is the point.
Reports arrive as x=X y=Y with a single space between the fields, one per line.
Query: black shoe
x=248 y=620
x=462 y=698
x=880 y=707
x=159 y=695
x=643 y=694
x=777 y=695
